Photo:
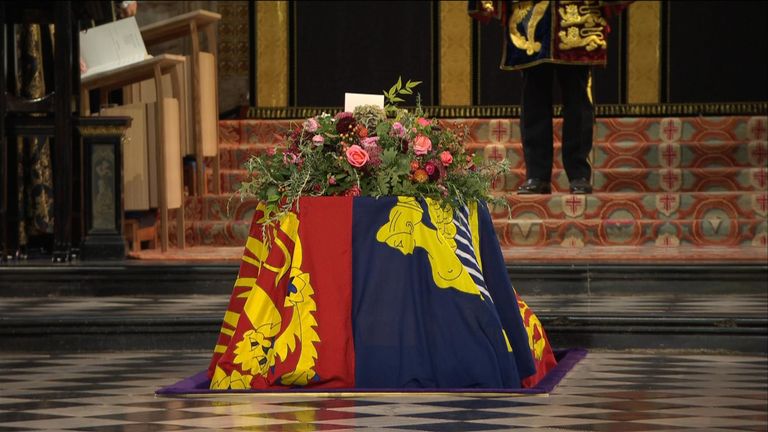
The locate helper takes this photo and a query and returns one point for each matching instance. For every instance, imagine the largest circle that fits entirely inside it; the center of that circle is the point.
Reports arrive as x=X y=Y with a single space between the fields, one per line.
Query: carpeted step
x=662 y=206
x=654 y=180
x=716 y=179
x=715 y=129
x=748 y=233
x=741 y=238
x=606 y=155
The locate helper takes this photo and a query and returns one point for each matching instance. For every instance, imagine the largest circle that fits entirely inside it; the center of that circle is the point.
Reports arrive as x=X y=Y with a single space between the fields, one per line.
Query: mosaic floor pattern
x=608 y=391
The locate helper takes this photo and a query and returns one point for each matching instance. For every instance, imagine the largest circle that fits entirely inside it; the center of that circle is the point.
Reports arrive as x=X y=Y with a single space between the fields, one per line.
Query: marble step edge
x=744 y=239
x=665 y=205
x=618 y=179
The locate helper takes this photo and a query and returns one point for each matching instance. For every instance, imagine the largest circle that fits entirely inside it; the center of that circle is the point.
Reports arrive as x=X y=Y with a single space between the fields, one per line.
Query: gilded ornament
x=519 y=13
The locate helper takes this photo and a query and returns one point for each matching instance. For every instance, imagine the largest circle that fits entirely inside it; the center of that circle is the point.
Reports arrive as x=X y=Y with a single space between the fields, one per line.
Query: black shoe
x=535 y=186
x=581 y=186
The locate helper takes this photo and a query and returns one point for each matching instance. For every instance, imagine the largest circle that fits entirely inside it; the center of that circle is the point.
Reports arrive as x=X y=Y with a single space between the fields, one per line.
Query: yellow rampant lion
x=270 y=340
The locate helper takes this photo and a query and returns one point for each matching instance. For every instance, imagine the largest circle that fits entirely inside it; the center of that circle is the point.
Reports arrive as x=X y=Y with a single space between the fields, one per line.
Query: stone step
x=663 y=206
x=683 y=155
x=748 y=233
x=654 y=180
x=742 y=237
x=610 y=180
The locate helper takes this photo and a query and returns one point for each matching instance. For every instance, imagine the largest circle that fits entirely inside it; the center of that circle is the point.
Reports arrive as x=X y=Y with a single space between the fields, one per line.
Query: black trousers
x=536 y=120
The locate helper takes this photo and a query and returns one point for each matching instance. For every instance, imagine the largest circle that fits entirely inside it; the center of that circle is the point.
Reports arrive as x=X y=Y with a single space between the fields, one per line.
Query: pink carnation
x=371 y=146
x=318 y=140
x=398 y=130
x=423 y=122
x=311 y=125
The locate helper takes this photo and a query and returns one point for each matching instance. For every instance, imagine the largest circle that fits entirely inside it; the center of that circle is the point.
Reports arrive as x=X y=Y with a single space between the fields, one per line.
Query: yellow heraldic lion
x=270 y=340
x=405 y=231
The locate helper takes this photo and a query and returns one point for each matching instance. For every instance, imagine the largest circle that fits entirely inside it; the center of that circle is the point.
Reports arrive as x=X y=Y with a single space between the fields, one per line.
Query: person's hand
x=128 y=9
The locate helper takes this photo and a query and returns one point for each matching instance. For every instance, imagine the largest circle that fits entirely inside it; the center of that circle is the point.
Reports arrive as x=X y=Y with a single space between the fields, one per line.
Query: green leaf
x=388 y=156
x=383 y=128
x=397 y=99
x=399 y=83
x=411 y=84
x=406 y=91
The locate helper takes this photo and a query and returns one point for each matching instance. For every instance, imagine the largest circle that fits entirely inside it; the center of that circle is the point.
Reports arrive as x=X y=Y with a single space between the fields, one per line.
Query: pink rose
x=318 y=140
x=353 y=191
x=398 y=129
x=311 y=125
x=446 y=158
x=291 y=158
x=331 y=180
x=356 y=156
x=430 y=168
x=422 y=145
x=423 y=122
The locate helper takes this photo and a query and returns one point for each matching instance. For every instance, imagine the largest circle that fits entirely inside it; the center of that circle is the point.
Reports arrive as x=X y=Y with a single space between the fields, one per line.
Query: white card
x=111 y=45
x=352 y=100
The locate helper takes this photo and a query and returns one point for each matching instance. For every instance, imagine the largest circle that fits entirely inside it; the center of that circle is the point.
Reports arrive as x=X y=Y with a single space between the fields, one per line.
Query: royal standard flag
x=366 y=293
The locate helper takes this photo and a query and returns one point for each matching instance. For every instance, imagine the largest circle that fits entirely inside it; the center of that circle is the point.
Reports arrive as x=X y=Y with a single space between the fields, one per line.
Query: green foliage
x=367 y=153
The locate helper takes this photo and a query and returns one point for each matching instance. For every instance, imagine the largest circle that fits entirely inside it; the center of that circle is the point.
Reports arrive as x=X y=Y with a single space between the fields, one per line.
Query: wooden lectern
x=153 y=68
x=204 y=94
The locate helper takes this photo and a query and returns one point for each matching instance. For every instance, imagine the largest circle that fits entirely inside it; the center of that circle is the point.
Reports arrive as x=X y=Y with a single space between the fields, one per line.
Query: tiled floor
x=608 y=391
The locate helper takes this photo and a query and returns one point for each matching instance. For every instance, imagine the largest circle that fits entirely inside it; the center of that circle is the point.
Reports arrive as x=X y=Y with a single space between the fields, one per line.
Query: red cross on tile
x=760 y=153
x=499 y=130
x=666 y=201
x=496 y=156
x=574 y=203
x=669 y=178
x=670 y=129
x=758 y=129
x=669 y=154
x=763 y=201
x=761 y=177
x=667 y=241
